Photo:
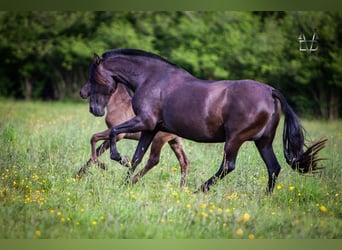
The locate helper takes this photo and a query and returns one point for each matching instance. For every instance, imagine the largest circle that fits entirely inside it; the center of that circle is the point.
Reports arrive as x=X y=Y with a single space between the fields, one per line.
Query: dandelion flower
x=37 y=233
x=204 y=214
x=291 y=188
x=188 y=205
x=246 y=217
x=239 y=232
x=94 y=223
x=251 y=236
x=323 y=208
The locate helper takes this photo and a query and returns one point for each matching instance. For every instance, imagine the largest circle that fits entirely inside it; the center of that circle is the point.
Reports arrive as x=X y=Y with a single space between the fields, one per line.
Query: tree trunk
x=28 y=89
x=334 y=104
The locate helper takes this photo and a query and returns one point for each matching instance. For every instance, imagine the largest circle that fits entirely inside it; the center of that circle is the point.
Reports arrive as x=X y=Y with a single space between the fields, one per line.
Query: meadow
x=43 y=144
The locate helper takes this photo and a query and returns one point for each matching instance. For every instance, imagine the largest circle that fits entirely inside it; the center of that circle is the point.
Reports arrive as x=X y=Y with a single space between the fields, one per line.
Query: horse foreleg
x=144 y=142
x=95 y=153
x=136 y=124
x=102 y=148
x=157 y=144
x=177 y=147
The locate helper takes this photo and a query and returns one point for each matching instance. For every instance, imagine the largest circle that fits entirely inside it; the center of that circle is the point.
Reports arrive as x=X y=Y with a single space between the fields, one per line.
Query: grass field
x=44 y=144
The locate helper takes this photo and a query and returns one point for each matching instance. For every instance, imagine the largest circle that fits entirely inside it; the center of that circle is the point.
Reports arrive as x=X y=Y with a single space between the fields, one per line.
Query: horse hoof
x=115 y=157
x=80 y=173
x=126 y=162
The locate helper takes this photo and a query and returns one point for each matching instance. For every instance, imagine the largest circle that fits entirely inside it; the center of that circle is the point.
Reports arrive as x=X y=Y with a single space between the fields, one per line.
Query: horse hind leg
x=231 y=149
x=176 y=145
x=265 y=149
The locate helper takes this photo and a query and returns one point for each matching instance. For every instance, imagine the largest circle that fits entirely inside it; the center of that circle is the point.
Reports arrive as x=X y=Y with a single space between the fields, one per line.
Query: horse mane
x=135 y=52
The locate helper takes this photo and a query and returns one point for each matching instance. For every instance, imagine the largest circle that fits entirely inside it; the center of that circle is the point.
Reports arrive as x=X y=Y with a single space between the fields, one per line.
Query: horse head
x=99 y=87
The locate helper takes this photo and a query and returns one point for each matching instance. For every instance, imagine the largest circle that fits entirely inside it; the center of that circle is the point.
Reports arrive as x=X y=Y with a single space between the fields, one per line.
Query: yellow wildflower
x=246 y=217
x=239 y=232
x=37 y=233
x=204 y=214
x=251 y=236
x=323 y=208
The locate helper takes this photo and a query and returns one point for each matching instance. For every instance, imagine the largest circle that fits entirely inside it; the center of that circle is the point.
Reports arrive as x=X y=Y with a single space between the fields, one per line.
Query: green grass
x=44 y=144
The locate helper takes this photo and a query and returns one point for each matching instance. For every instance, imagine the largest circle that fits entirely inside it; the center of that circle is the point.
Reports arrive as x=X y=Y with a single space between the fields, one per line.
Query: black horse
x=168 y=98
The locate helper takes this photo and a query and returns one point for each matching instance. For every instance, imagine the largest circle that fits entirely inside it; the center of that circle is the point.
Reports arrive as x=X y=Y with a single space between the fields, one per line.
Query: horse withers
x=168 y=98
x=119 y=109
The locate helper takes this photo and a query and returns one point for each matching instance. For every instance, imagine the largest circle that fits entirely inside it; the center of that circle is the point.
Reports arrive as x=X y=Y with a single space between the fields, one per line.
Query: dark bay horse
x=119 y=109
x=168 y=98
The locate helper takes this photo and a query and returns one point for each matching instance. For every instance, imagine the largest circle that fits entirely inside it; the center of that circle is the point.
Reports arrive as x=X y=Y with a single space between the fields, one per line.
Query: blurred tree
x=317 y=75
x=47 y=54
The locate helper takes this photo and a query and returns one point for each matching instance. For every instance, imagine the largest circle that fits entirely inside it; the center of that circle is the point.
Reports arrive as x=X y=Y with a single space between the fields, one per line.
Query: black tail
x=293 y=141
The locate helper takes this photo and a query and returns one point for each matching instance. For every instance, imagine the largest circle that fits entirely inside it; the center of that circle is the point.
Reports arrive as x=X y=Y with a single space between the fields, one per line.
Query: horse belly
x=193 y=123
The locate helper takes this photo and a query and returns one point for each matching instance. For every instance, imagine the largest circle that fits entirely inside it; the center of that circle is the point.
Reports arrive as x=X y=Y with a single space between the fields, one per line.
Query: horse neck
x=134 y=70
x=120 y=99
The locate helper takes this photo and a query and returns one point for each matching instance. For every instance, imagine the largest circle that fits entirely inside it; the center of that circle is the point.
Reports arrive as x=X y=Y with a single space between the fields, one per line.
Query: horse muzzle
x=84 y=95
x=97 y=111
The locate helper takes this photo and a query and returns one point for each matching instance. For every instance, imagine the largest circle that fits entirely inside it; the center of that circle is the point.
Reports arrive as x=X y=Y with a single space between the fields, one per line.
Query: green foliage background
x=46 y=54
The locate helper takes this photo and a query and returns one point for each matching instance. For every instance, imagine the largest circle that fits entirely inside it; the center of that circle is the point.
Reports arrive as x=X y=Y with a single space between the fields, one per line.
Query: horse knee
x=112 y=133
x=93 y=139
x=229 y=166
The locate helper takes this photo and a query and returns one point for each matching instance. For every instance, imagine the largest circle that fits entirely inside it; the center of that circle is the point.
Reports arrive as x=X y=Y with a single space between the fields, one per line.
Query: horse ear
x=97 y=59
x=85 y=91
